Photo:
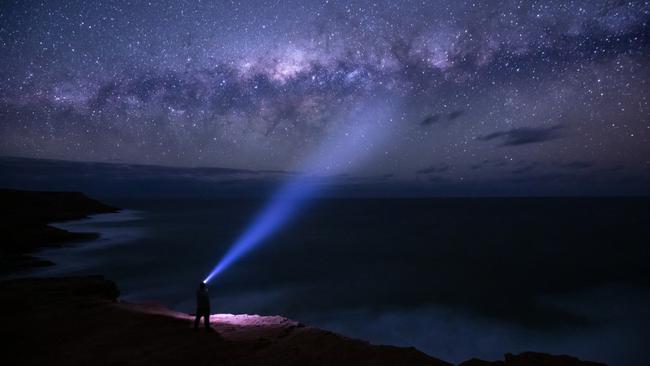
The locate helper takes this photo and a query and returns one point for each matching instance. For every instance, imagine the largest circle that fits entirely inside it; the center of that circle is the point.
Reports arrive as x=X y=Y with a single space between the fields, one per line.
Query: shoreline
x=243 y=339
x=70 y=260
x=72 y=320
x=27 y=219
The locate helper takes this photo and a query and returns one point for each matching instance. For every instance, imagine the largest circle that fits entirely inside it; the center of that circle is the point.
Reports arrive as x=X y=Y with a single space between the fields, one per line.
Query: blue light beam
x=279 y=210
x=356 y=142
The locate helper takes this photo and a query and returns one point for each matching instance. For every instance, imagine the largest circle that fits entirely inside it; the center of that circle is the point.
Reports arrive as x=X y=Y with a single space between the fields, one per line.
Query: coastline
x=87 y=311
x=26 y=220
x=80 y=320
x=76 y=258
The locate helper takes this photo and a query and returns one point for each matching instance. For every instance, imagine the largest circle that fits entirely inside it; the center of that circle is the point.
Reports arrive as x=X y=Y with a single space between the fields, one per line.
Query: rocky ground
x=79 y=321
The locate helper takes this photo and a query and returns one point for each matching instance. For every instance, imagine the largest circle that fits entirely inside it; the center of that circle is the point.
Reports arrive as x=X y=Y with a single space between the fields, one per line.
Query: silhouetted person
x=202 y=307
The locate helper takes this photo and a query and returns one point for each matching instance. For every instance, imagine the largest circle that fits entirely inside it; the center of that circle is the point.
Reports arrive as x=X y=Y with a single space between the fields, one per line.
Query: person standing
x=202 y=307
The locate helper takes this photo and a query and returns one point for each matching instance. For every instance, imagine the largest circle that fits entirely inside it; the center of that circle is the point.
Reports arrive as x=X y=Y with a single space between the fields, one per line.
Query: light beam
x=279 y=210
x=370 y=126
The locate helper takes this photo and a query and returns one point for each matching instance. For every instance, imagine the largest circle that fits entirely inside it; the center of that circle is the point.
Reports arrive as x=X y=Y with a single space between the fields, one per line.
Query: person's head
x=202 y=285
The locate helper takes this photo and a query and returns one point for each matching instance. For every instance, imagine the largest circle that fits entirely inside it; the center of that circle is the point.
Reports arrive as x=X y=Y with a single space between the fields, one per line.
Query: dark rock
x=49 y=206
x=477 y=362
x=532 y=359
x=76 y=321
x=24 y=229
x=34 y=294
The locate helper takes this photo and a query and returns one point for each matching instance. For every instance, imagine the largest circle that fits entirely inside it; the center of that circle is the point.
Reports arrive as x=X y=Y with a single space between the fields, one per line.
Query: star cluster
x=484 y=91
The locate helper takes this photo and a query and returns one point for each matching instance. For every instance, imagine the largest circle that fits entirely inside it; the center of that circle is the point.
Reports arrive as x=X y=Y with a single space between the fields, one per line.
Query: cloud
x=611 y=169
x=100 y=179
x=547 y=177
x=437 y=118
x=439 y=168
x=430 y=120
x=437 y=179
x=524 y=135
x=455 y=114
x=576 y=165
x=525 y=167
x=489 y=164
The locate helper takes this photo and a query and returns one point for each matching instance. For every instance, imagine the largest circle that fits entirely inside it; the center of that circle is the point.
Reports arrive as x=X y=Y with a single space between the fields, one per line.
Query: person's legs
x=197 y=319
x=206 y=319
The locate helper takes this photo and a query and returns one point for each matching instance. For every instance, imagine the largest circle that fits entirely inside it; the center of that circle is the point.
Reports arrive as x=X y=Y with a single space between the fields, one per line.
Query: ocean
x=454 y=277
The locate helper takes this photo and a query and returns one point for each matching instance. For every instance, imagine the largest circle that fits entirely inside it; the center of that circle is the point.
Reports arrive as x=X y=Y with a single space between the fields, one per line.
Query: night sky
x=500 y=93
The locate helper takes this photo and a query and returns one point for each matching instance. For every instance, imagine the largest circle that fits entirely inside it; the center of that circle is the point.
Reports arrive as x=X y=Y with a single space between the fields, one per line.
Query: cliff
x=79 y=321
x=24 y=219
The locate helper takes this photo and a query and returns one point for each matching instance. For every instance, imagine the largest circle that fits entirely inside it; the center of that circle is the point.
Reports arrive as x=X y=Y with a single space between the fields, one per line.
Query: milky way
x=507 y=91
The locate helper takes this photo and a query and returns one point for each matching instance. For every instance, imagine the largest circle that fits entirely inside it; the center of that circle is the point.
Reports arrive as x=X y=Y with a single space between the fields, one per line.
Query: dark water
x=456 y=278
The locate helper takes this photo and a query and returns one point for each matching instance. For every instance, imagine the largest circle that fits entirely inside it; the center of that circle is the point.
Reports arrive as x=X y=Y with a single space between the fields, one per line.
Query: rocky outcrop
x=78 y=321
x=532 y=359
x=24 y=219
